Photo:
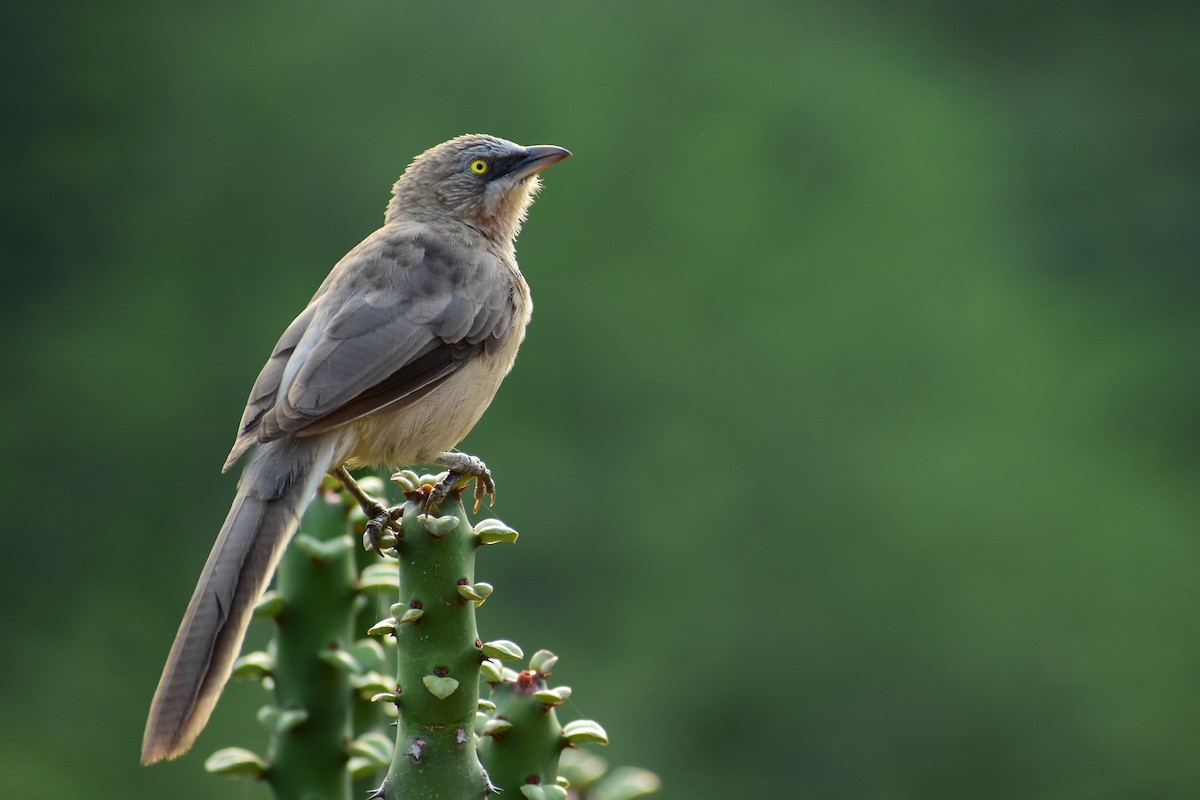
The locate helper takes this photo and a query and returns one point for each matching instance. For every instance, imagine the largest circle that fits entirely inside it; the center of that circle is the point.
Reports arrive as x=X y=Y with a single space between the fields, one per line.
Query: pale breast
x=441 y=419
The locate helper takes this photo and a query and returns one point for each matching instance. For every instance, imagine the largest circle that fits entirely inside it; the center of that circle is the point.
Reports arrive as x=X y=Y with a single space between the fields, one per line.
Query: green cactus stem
x=316 y=581
x=438 y=671
x=371 y=750
x=521 y=738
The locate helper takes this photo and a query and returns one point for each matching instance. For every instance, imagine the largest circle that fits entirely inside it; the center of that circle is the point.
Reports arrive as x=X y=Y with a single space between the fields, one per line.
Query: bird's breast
x=441 y=419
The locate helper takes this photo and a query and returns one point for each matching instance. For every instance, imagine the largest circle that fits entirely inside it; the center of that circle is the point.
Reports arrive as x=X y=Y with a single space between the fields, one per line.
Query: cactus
x=446 y=743
x=371 y=750
x=521 y=737
x=437 y=680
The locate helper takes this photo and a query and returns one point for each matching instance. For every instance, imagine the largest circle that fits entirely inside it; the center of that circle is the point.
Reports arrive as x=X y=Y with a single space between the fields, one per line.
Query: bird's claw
x=484 y=485
x=379 y=521
x=462 y=469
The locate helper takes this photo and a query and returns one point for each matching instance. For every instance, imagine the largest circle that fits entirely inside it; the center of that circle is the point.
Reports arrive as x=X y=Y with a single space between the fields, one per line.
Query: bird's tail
x=274 y=489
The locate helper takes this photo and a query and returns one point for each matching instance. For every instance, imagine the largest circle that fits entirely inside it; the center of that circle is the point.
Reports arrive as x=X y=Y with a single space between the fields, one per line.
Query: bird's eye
x=479 y=166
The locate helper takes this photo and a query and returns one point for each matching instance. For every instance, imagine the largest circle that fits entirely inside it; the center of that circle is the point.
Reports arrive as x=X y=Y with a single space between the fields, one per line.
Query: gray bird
x=392 y=362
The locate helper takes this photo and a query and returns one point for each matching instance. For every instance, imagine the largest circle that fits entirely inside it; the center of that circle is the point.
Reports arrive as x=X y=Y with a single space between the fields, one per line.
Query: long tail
x=274 y=489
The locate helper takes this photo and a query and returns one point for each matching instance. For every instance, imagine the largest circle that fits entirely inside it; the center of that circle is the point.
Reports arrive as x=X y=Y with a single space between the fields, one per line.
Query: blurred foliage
x=854 y=443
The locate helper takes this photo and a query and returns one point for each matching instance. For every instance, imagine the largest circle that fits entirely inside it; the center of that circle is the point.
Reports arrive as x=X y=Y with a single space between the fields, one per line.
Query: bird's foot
x=462 y=469
x=379 y=519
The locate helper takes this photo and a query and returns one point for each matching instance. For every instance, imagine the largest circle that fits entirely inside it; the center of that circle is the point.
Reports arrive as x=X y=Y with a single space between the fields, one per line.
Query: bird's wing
x=398 y=315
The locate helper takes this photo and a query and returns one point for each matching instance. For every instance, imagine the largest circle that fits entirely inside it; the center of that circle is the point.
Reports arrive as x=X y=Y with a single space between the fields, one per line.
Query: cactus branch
x=311 y=716
x=437 y=681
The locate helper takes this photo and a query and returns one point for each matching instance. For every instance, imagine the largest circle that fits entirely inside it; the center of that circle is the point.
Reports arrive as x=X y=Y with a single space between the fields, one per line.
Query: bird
x=392 y=362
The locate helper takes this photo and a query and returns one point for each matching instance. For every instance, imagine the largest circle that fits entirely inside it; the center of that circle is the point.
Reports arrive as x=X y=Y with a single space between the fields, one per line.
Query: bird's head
x=480 y=180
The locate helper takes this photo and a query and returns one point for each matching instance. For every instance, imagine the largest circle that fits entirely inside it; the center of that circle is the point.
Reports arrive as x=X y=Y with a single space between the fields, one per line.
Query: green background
x=854 y=442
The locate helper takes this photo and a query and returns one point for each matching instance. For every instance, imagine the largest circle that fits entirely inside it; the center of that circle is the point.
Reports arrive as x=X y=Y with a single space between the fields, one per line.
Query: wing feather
x=400 y=313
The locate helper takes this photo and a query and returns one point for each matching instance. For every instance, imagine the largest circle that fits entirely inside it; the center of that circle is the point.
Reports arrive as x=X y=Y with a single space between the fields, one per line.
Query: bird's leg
x=378 y=517
x=370 y=506
x=462 y=468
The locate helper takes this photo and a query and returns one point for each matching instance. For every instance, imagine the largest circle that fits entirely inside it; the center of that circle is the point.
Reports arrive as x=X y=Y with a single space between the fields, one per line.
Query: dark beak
x=536 y=159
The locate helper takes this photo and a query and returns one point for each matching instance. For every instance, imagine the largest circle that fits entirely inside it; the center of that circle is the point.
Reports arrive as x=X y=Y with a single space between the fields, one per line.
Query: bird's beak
x=536 y=159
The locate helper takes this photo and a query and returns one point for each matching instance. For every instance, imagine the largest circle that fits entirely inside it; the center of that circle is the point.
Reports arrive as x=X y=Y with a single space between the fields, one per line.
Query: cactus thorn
x=407 y=480
x=504 y=649
x=543 y=661
x=412 y=615
x=384 y=626
x=236 y=762
x=440 y=686
x=488 y=786
x=497 y=727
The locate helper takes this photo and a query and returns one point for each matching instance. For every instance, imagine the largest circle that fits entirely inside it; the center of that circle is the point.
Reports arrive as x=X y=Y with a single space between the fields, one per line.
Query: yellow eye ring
x=479 y=166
